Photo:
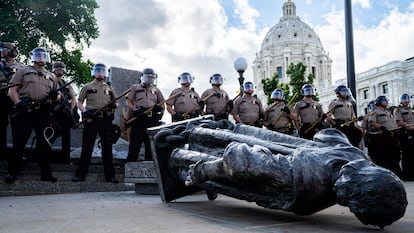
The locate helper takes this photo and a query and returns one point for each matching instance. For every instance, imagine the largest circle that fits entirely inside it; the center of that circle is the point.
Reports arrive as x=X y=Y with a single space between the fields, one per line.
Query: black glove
x=177 y=116
x=112 y=106
x=286 y=110
x=139 y=112
x=156 y=108
x=385 y=131
x=201 y=104
x=87 y=115
x=323 y=117
x=53 y=94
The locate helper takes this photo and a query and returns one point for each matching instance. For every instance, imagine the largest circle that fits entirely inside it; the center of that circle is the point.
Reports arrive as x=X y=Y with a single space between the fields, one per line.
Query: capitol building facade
x=293 y=41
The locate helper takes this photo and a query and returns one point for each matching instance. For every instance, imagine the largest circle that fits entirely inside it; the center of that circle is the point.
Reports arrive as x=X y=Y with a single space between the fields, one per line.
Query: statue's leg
x=242 y=163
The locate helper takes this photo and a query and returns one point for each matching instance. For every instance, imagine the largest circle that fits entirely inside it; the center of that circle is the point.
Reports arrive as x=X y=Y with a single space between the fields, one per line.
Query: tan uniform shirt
x=216 y=104
x=308 y=114
x=187 y=101
x=146 y=97
x=14 y=67
x=382 y=117
x=35 y=84
x=405 y=114
x=96 y=95
x=248 y=108
x=273 y=111
x=342 y=109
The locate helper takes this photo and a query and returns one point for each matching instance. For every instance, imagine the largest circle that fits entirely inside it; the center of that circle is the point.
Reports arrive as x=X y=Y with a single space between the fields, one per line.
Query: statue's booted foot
x=195 y=174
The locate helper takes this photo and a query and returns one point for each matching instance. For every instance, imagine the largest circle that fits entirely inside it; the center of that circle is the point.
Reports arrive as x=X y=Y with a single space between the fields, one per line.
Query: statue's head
x=374 y=194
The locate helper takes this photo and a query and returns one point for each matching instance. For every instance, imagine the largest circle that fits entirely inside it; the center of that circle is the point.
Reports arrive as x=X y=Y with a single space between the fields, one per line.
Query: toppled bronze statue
x=275 y=170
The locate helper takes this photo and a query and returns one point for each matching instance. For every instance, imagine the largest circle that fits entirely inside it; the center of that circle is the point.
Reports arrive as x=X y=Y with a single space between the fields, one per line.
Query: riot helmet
x=185 y=78
x=11 y=49
x=405 y=99
x=39 y=55
x=148 y=76
x=278 y=94
x=216 y=79
x=371 y=105
x=382 y=100
x=342 y=91
x=59 y=66
x=99 y=71
x=307 y=90
x=248 y=87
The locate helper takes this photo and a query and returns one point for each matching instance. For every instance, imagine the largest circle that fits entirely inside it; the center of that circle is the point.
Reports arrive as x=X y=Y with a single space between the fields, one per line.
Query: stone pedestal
x=144 y=176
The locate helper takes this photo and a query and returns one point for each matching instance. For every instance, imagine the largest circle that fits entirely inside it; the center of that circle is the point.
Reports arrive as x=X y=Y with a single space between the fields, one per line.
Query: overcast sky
x=204 y=37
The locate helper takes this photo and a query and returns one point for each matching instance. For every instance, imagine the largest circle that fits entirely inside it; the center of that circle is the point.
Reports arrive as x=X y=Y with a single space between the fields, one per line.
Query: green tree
x=62 y=26
x=297 y=78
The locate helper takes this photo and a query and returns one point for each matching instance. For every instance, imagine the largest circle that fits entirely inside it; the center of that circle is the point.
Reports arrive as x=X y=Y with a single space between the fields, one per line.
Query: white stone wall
x=398 y=76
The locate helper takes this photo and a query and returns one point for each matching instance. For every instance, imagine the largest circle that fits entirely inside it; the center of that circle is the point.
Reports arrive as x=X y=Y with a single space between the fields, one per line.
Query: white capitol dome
x=291 y=41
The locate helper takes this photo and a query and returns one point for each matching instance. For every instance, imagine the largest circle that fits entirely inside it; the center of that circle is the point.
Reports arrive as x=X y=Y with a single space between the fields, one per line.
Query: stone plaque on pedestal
x=144 y=176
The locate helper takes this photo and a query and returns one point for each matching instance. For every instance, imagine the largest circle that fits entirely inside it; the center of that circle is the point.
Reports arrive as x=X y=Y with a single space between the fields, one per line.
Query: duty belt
x=103 y=114
x=282 y=129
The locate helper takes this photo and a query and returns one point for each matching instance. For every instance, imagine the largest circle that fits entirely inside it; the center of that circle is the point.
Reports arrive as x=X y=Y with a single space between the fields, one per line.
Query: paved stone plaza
x=127 y=212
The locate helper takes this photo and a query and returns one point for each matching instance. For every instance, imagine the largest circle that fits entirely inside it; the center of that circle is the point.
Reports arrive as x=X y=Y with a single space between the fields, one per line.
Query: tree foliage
x=297 y=78
x=62 y=26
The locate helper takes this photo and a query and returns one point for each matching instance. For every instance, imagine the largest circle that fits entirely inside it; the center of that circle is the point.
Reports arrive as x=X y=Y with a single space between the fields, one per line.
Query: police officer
x=385 y=138
x=98 y=94
x=8 y=67
x=145 y=102
x=279 y=116
x=366 y=128
x=186 y=103
x=341 y=115
x=33 y=111
x=63 y=113
x=404 y=115
x=248 y=108
x=217 y=100
x=310 y=113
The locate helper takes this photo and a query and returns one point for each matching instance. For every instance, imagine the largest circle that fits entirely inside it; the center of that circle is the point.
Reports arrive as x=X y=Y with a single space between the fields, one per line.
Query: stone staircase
x=29 y=180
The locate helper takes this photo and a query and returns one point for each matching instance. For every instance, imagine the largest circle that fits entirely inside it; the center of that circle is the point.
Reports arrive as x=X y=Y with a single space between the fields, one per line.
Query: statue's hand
x=195 y=174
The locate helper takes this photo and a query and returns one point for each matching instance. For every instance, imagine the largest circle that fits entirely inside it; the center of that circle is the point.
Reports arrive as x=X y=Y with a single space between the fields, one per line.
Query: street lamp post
x=240 y=64
x=350 y=64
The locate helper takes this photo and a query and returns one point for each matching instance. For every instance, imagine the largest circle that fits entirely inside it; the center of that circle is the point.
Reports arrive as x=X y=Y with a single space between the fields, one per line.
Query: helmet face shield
x=59 y=66
x=248 y=87
x=278 y=95
x=40 y=55
x=8 y=49
x=308 y=90
x=149 y=78
x=405 y=99
x=382 y=101
x=345 y=92
x=185 y=78
x=216 y=79
x=4 y=52
x=99 y=71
